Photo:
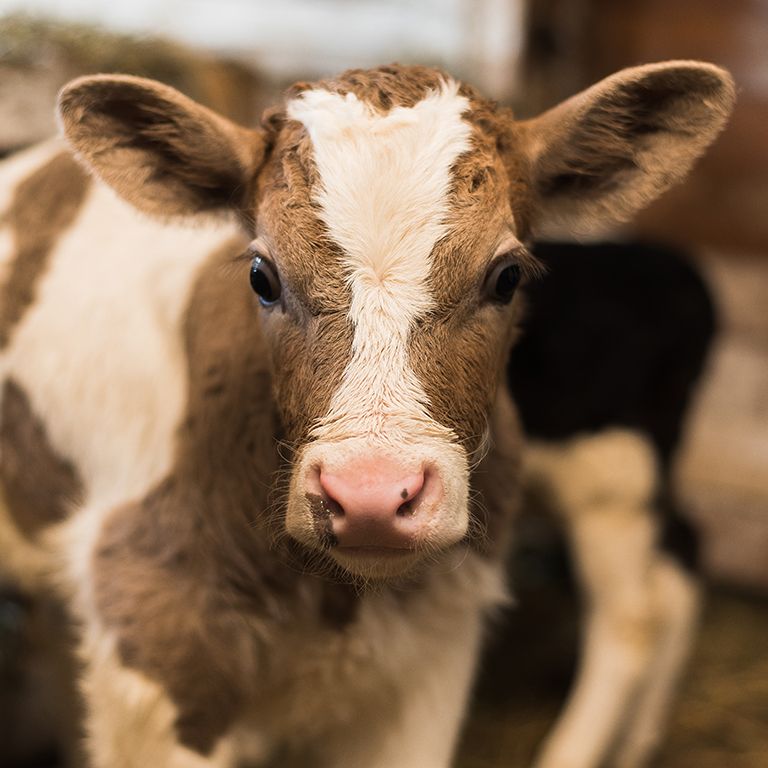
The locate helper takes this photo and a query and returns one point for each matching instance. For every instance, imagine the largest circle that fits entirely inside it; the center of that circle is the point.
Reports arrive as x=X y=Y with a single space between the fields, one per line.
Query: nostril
x=405 y=510
x=323 y=505
x=412 y=495
x=332 y=508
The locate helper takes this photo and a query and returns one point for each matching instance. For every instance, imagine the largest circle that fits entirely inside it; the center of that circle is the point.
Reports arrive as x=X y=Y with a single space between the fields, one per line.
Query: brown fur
x=43 y=206
x=383 y=87
x=456 y=352
x=39 y=485
x=496 y=481
x=185 y=577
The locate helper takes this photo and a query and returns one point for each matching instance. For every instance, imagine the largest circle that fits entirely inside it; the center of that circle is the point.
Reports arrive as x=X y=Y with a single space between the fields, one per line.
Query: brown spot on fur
x=43 y=207
x=186 y=577
x=39 y=485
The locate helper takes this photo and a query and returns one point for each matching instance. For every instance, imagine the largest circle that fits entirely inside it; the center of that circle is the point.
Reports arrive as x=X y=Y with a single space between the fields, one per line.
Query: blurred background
x=237 y=56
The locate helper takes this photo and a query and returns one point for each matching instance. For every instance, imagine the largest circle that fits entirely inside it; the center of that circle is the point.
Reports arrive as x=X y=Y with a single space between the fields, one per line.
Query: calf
x=265 y=456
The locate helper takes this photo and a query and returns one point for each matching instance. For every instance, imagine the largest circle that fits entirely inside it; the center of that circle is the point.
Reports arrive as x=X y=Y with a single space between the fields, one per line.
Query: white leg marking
x=603 y=486
x=678 y=601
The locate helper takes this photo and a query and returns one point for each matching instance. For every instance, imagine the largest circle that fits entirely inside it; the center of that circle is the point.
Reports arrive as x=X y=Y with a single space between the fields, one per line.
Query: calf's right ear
x=159 y=150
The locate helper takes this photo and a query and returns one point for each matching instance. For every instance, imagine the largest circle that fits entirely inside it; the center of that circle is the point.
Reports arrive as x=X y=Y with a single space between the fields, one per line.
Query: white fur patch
x=100 y=353
x=390 y=690
x=383 y=194
x=100 y=356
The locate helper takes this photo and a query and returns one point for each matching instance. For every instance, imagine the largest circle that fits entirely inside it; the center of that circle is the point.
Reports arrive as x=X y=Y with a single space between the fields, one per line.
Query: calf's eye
x=265 y=281
x=502 y=281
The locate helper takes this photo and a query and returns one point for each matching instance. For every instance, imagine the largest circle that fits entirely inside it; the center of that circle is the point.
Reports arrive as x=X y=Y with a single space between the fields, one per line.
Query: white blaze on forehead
x=383 y=192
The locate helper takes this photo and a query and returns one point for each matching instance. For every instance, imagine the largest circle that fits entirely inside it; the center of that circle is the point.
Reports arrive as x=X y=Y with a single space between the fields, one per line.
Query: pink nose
x=378 y=503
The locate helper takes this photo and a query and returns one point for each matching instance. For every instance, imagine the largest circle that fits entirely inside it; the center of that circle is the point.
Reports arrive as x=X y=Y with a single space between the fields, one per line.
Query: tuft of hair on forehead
x=383 y=87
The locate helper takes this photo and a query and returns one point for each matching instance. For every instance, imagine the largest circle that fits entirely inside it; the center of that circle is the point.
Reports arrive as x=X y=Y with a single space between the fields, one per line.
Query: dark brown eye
x=265 y=281
x=502 y=281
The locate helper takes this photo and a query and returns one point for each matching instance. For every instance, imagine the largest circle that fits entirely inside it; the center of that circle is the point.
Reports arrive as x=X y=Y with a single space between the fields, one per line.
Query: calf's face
x=388 y=212
x=387 y=257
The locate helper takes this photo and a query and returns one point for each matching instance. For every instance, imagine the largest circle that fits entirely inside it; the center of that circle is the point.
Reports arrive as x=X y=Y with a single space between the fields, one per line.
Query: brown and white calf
x=266 y=456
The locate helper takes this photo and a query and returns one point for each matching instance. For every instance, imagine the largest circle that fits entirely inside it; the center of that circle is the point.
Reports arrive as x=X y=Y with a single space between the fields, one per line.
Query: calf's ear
x=600 y=156
x=159 y=150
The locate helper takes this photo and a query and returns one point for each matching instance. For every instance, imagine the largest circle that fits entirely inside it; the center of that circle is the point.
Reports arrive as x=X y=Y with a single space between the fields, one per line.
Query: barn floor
x=721 y=718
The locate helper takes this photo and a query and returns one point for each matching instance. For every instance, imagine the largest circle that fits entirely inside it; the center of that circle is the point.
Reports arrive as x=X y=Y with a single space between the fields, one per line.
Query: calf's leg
x=639 y=607
x=678 y=602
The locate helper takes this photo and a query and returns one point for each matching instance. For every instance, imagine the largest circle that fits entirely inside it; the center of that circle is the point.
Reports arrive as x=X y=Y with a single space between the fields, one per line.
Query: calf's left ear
x=159 y=150
x=599 y=157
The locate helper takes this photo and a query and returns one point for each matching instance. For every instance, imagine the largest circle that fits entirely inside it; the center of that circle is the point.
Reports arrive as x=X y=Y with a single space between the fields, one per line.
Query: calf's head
x=388 y=213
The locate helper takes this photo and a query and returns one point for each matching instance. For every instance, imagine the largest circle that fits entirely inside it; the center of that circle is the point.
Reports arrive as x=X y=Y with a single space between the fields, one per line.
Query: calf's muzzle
x=377 y=502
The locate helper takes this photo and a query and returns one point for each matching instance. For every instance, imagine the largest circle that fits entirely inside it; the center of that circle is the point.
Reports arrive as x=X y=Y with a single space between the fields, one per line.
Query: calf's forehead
x=381 y=197
x=387 y=215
